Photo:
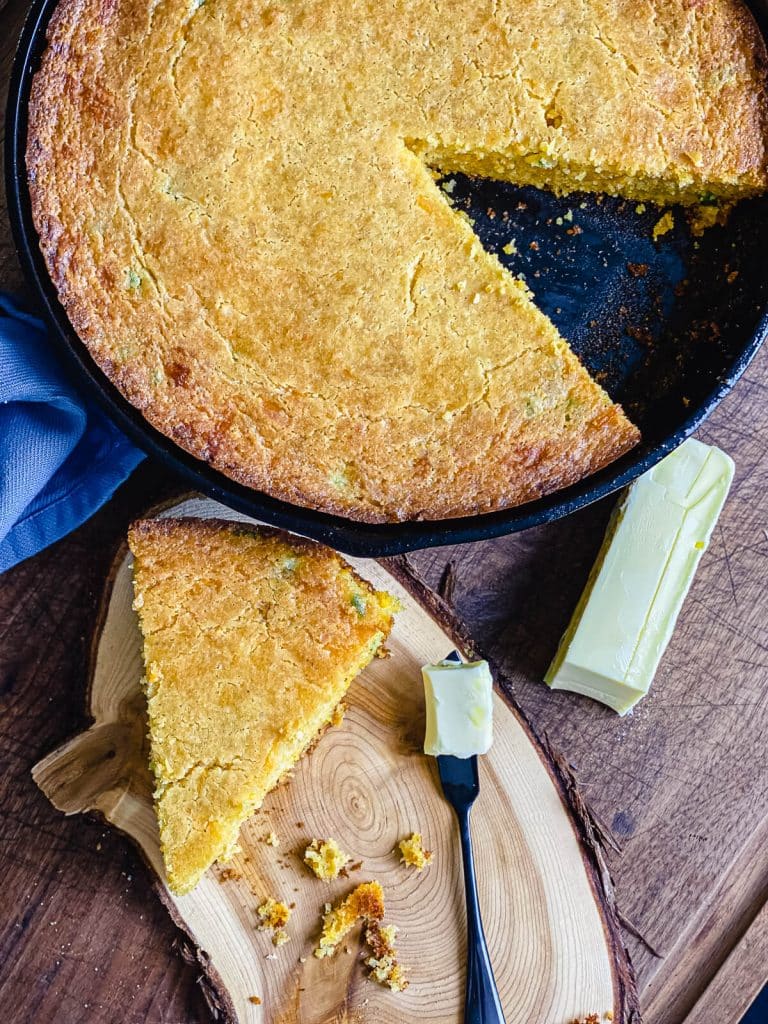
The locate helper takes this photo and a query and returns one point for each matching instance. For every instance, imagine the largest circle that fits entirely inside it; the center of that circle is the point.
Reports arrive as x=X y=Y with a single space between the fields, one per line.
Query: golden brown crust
x=251 y=246
x=197 y=529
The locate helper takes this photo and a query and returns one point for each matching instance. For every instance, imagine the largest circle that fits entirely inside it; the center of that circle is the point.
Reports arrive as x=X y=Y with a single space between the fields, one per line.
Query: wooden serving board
x=546 y=896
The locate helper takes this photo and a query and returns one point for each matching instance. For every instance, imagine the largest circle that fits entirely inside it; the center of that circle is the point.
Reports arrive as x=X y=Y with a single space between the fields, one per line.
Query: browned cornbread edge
x=216 y=525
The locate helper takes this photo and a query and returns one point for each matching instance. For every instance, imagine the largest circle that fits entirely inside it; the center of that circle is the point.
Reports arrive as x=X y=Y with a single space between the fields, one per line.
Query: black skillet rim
x=350 y=536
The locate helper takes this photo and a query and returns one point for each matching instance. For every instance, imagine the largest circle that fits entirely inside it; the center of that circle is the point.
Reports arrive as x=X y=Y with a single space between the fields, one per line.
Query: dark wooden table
x=681 y=784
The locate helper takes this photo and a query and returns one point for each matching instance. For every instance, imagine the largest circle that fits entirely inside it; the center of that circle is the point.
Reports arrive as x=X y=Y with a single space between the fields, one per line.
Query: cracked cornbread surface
x=235 y=203
x=251 y=639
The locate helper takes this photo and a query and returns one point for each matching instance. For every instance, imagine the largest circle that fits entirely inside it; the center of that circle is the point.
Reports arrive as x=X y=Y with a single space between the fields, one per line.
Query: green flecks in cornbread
x=245 y=664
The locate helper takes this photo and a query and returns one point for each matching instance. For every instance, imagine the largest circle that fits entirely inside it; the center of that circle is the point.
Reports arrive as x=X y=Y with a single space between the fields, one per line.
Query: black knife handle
x=481 y=1005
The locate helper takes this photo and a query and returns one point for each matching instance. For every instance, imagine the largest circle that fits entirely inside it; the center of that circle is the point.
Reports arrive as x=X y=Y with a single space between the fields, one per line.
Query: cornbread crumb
x=366 y=902
x=271 y=839
x=229 y=875
x=382 y=962
x=706 y=216
x=413 y=852
x=326 y=859
x=273 y=916
x=255 y=1000
x=638 y=269
x=338 y=712
x=640 y=209
x=510 y=248
x=349 y=868
x=663 y=225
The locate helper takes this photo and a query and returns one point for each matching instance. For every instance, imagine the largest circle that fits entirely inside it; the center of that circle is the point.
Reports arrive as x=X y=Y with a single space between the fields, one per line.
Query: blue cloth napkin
x=60 y=457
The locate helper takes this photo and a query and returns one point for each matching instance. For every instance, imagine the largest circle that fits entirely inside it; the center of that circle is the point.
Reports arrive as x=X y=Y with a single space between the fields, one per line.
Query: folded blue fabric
x=60 y=457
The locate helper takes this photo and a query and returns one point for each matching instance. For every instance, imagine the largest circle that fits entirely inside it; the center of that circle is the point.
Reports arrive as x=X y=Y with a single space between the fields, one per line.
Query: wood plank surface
x=732 y=986
x=681 y=785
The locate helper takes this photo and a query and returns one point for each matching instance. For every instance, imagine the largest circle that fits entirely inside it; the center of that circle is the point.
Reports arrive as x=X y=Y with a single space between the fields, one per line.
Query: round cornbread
x=237 y=205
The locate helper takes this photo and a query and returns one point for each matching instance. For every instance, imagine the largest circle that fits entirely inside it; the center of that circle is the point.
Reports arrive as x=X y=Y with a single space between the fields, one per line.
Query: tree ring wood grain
x=552 y=924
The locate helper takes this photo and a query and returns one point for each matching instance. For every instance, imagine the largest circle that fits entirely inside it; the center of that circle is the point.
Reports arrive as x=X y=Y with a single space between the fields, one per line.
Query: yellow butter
x=459 y=705
x=626 y=615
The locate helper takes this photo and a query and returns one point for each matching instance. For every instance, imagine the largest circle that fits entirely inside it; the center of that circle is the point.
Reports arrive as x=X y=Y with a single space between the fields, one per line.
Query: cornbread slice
x=251 y=639
x=364 y=903
x=251 y=242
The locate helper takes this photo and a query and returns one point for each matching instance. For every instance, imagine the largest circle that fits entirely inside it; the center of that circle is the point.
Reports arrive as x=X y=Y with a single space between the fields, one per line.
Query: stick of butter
x=459 y=701
x=626 y=615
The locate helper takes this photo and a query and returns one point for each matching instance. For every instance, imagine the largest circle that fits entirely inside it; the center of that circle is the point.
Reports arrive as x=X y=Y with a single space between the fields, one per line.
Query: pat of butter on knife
x=459 y=703
x=626 y=615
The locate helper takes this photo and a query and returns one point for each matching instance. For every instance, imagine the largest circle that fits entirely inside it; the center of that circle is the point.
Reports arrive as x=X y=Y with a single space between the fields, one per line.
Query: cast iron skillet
x=668 y=327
